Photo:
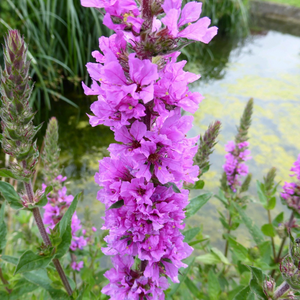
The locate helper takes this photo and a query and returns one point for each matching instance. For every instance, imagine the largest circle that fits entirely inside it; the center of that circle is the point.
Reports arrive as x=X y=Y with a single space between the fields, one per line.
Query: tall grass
x=60 y=37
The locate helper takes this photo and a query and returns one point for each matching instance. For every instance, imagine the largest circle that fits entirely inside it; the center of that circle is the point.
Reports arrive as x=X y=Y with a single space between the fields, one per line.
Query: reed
x=61 y=35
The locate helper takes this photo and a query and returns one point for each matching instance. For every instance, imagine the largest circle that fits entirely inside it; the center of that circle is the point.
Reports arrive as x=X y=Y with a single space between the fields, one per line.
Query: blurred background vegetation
x=62 y=34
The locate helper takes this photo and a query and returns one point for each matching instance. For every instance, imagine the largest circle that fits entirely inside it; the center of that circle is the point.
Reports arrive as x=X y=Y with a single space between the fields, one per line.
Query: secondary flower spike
x=291 y=190
x=238 y=152
x=141 y=89
x=16 y=113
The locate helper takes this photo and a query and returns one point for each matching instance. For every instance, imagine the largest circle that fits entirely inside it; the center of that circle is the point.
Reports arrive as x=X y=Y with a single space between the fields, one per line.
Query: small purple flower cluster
x=291 y=190
x=58 y=203
x=234 y=166
x=141 y=90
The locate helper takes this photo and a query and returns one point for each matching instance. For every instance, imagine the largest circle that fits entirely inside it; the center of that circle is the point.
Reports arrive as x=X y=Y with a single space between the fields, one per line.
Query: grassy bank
x=295 y=3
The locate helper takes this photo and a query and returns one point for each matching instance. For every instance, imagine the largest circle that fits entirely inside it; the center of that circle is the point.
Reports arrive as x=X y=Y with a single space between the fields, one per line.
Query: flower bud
x=16 y=114
x=269 y=287
x=207 y=143
x=50 y=155
x=254 y=253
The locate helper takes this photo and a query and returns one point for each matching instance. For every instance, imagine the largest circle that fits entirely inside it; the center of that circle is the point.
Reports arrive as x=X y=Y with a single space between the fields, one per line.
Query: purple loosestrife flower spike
x=291 y=190
x=238 y=153
x=16 y=114
x=206 y=145
x=141 y=89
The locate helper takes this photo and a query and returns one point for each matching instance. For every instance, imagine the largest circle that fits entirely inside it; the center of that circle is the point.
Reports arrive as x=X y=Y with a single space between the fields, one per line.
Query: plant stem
x=284 y=287
x=38 y=165
x=4 y=281
x=44 y=234
x=272 y=239
x=277 y=259
x=228 y=232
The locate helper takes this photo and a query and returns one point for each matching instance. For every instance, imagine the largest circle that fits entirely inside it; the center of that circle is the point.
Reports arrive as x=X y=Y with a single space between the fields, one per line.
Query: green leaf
x=237 y=249
x=256 y=282
x=29 y=261
x=245 y=294
x=268 y=230
x=214 y=288
x=65 y=243
x=9 y=174
x=67 y=217
x=218 y=253
x=191 y=286
x=222 y=198
x=223 y=220
x=208 y=259
x=99 y=276
x=2 y=212
x=118 y=204
x=198 y=241
x=3 y=232
x=10 y=259
x=278 y=220
x=3 y=228
x=272 y=203
x=265 y=250
x=196 y=203
x=184 y=272
x=4 y=295
x=21 y=289
x=261 y=191
x=174 y=186
x=44 y=199
x=253 y=229
x=199 y=185
x=190 y=234
x=10 y=195
x=40 y=278
x=235 y=291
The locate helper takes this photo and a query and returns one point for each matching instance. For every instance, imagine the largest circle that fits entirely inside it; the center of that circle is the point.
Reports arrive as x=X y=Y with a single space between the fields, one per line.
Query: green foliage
x=9 y=174
x=196 y=203
x=41 y=279
x=30 y=261
x=3 y=228
x=65 y=222
x=253 y=228
x=10 y=195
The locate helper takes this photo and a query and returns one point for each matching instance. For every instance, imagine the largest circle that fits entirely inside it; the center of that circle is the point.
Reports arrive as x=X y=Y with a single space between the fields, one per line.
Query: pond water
x=266 y=67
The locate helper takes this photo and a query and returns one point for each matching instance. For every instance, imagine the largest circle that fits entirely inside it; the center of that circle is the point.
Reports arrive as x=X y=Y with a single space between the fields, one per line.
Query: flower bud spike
x=206 y=145
x=245 y=123
x=16 y=114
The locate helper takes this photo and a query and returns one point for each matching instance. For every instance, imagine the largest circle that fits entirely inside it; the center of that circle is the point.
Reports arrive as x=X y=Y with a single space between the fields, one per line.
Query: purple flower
x=234 y=166
x=77 y=266
x=197 y=31
x=141 y=92
x=291 y=190
x=58 y=203
x=296 y=168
